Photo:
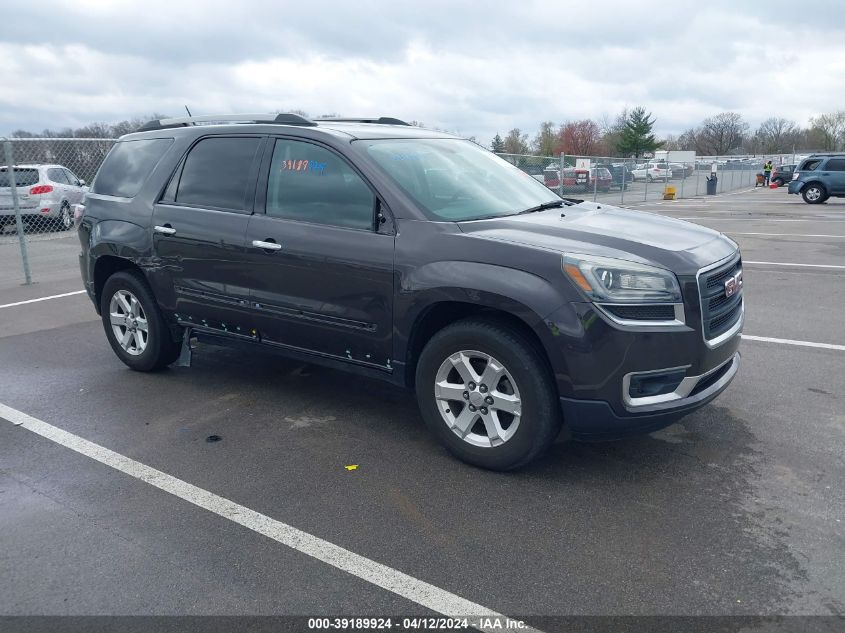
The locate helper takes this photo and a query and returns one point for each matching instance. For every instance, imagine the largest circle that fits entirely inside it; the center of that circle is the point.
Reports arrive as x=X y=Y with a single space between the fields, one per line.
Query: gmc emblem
x=733 y=285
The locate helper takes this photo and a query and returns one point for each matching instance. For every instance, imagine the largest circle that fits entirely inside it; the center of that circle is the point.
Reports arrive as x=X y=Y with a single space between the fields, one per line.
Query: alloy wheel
x=478 y=398
x=128 y=322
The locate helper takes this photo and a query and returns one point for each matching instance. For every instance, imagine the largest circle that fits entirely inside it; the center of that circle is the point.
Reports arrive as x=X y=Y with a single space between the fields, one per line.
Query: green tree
x=498 y=145
x=546 y=139
x=516 y=142
x=636 y=138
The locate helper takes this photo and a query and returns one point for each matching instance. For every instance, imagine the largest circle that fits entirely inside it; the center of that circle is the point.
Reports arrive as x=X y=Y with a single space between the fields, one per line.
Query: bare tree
x=830 y=129
x=721 y=134
x=776 y=135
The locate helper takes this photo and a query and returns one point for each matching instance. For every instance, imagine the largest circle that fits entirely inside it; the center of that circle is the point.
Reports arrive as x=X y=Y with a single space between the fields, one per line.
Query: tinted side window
x=810 y=165
x=57 y=175
x=836 y=164
x=127 y=166
x=312 y=184
x=217 y=173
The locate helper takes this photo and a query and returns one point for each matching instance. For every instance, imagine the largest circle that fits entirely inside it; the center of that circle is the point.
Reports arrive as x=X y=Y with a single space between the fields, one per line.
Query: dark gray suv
x=417 y=258
x=819 y=177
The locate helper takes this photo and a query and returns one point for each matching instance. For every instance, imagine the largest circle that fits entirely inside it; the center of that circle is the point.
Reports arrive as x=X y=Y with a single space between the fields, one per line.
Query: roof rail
x=285 y=118
x=383 y=120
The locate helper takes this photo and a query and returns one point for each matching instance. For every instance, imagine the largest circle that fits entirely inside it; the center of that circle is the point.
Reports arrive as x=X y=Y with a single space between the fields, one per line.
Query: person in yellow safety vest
x=767 y=171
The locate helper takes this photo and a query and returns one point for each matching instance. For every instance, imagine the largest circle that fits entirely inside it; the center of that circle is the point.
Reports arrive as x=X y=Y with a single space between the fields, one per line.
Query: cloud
x=474 y=67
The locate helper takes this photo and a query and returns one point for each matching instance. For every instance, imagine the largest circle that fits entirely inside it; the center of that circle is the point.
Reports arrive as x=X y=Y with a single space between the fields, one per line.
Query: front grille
x=643 y=313
x=719 y=313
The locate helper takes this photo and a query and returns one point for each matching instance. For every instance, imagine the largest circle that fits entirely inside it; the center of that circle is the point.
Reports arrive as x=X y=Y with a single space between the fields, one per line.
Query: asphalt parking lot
x=737 y=510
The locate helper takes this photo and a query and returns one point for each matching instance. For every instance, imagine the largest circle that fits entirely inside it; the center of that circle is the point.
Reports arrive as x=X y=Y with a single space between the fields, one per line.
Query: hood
x=600 y=229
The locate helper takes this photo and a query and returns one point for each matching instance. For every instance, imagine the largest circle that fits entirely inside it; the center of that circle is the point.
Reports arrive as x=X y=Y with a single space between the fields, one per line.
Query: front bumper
x=596 y=420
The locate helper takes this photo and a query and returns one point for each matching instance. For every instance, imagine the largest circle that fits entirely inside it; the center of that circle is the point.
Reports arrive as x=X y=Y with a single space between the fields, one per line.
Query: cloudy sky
x=471 y=67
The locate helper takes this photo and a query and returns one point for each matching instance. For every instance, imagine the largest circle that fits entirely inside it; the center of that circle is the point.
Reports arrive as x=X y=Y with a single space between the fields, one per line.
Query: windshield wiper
x=542 y=207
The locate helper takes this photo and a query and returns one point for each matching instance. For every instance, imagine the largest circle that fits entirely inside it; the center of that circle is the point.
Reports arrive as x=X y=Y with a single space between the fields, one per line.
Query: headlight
x=608 y=280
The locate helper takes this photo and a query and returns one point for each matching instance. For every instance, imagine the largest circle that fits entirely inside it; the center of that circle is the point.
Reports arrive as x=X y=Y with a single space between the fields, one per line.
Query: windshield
x=456 y=180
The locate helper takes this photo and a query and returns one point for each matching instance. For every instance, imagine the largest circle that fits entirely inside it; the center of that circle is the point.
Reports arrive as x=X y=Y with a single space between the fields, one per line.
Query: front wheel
x=486 y=393
x=649 y=178
x=814 y=194
x=134 y=326
x=779 y=182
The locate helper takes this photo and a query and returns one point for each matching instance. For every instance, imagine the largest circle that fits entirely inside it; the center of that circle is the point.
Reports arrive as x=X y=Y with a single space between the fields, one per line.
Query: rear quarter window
x=128 y=165
x=23 y=177
x=810 y=164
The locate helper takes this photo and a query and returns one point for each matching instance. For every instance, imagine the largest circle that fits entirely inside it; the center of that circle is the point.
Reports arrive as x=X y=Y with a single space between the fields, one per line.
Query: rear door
x=834 y=172
x=198 y=233
x=76 y=191
x=321 y=264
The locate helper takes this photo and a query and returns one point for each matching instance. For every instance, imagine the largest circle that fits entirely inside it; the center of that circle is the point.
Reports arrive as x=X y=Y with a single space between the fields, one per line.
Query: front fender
x=528 y=297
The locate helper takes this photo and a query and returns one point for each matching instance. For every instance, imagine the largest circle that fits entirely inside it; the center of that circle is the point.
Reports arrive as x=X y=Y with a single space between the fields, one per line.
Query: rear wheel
x=779 y=182
x=65 y=219
x=134 y=326
x=486 y=394
x=814 y=194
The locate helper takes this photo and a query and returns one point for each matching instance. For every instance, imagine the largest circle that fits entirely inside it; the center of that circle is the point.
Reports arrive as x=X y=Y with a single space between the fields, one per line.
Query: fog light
x=655 y=384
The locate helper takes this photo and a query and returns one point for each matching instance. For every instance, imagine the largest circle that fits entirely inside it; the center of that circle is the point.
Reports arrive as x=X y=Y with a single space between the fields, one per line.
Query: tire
x=141 y=352
x=649 y=178
x=465 y=350
x=779 y=182
x=65 y=220
x=814 y=193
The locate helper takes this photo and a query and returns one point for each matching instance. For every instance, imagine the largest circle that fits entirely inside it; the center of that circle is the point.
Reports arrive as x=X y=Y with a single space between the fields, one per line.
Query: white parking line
x=788 y=234
x=787 y=341
x=748 y=261
x=419 y=591
x=715 y=218
x=20 y=303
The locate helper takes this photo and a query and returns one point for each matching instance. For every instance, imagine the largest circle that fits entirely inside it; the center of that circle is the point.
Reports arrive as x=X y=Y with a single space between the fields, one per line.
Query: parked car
x=651 y=171
x=620 y=175
x=819 y=177
x=417 y=258
x=573 y=179
x=680 y=170
x=600 y=179
x=782 y=174
x=46 y=195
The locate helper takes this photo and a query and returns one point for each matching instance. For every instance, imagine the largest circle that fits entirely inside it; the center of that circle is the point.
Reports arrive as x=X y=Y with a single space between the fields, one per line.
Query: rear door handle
x=267 y=246
x=164 y=230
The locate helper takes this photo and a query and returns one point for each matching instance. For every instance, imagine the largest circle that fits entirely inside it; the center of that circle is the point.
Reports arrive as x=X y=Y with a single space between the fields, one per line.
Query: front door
x=198 y=229
x=321 y=264
x=835 y=170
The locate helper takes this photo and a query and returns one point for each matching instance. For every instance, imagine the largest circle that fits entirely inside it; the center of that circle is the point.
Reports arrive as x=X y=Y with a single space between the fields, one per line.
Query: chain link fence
x=51 y=175
x=620 y=181
x=41 y=181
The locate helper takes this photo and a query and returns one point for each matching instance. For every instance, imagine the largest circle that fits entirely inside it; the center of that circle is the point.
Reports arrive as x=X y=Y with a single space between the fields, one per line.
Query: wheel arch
x=104 y=267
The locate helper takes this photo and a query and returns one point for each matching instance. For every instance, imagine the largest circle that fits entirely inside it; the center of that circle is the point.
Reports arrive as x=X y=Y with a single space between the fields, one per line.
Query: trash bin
x=669 y=192
x=712 y=181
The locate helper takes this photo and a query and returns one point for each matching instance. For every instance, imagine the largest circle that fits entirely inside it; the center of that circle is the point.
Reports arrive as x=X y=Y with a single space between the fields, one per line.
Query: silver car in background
x=46 y=196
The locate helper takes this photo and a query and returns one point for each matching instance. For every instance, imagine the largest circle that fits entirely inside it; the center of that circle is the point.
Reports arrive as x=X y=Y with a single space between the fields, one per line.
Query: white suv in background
x=46 y=195
x=651 y=171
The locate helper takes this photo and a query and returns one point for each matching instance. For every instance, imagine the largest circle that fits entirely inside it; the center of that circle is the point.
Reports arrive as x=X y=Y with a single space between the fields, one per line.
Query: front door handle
x=268 y=245
x=164 y=230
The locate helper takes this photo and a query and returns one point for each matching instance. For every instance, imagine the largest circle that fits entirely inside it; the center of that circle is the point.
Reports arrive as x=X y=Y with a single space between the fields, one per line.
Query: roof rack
x=285 y=118
x=383 y=120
